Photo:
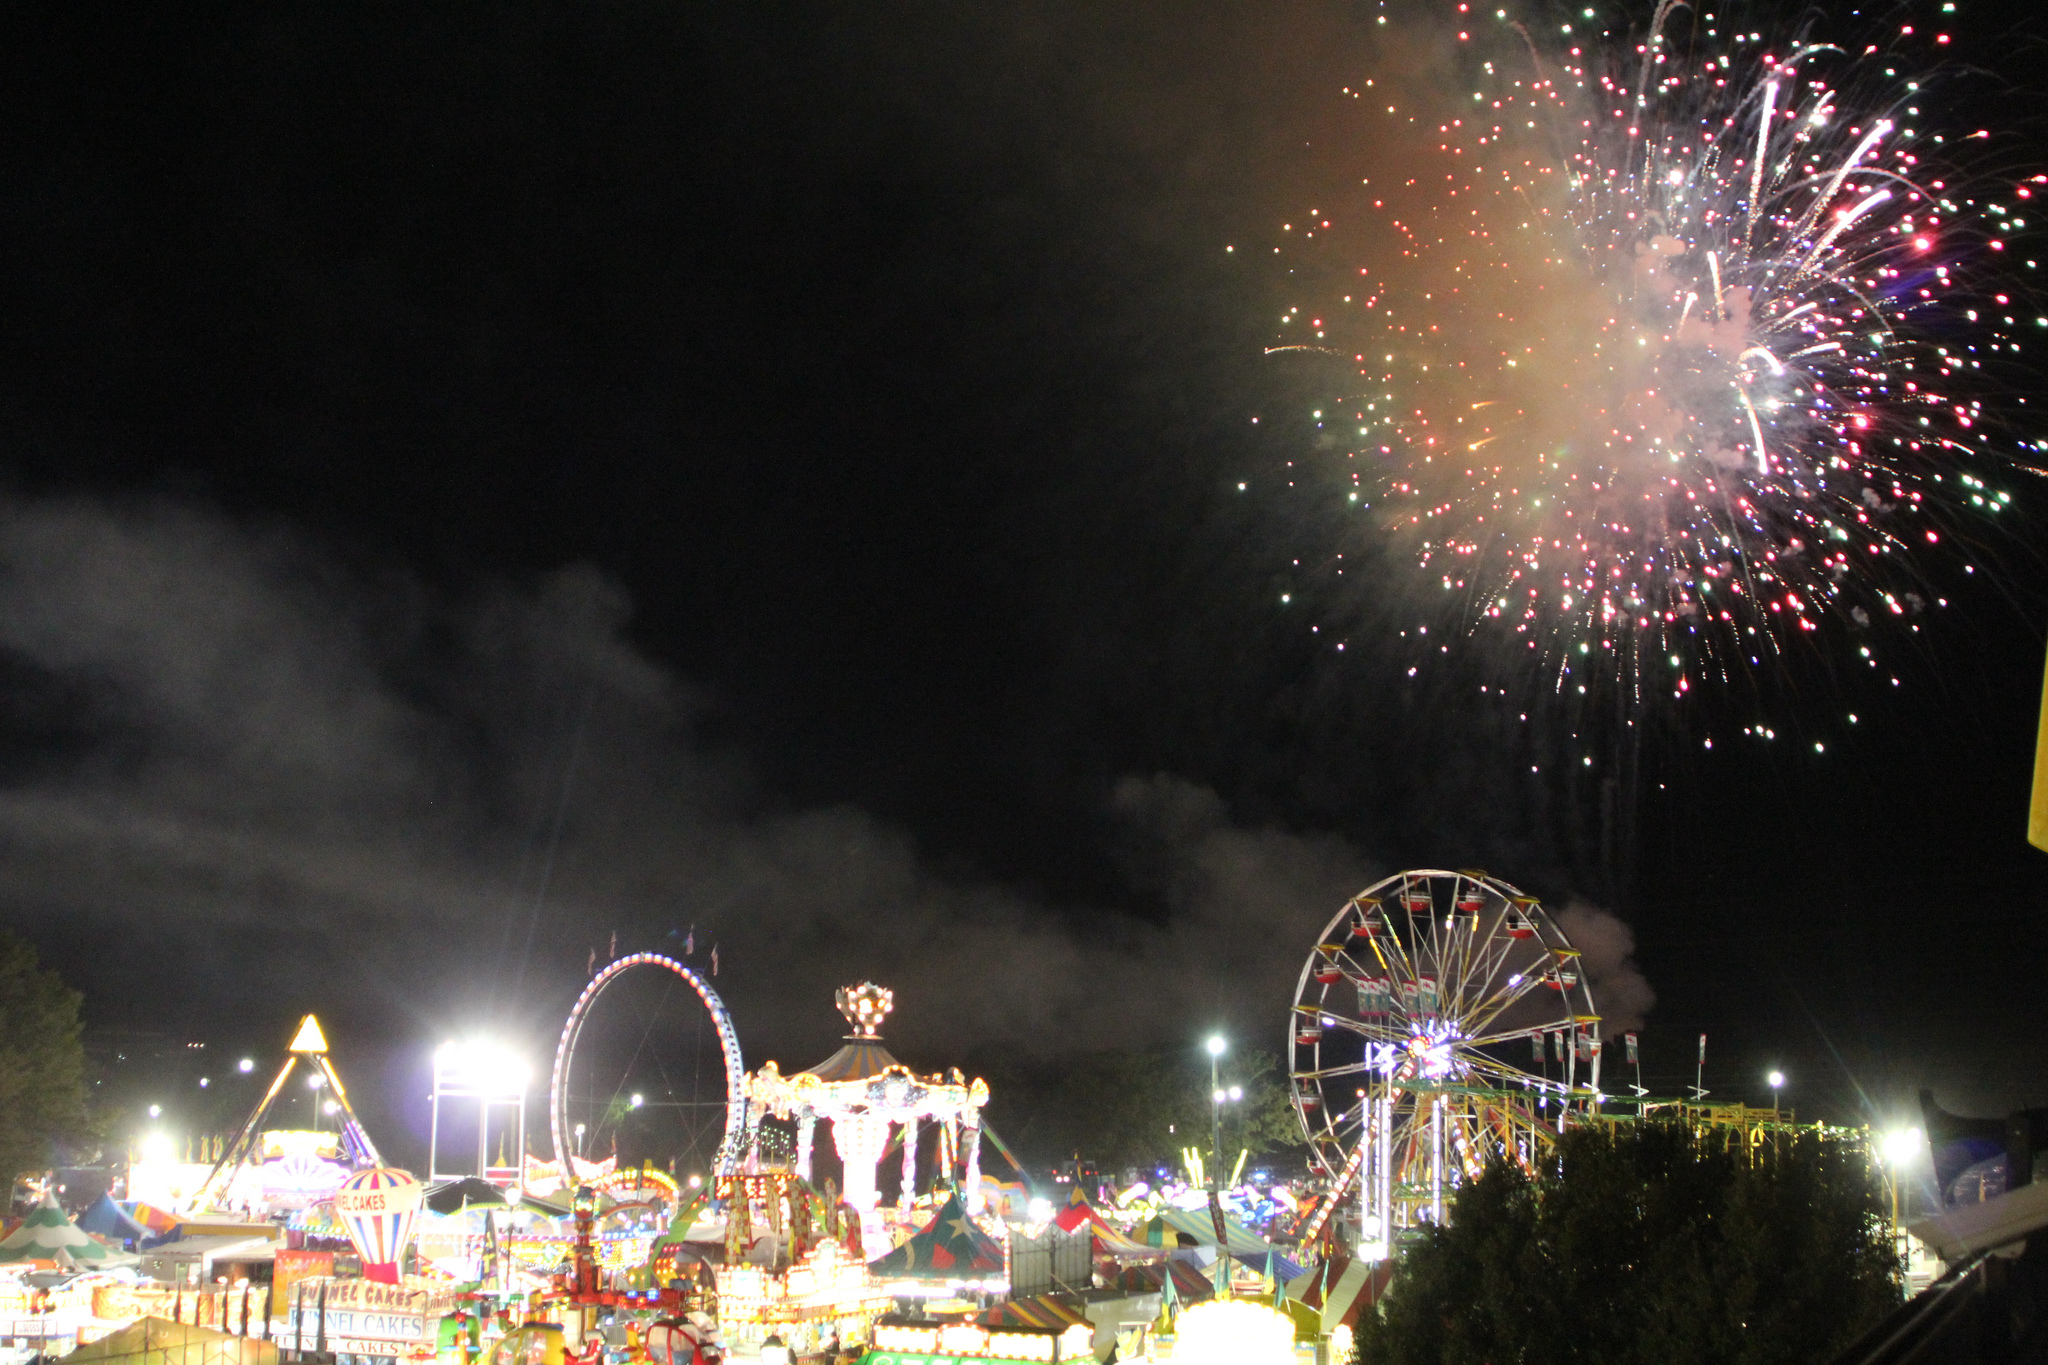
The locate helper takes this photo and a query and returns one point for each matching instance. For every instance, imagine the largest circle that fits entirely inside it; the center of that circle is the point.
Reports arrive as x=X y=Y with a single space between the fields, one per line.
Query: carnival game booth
x=366 y=1318
x=826 y=1296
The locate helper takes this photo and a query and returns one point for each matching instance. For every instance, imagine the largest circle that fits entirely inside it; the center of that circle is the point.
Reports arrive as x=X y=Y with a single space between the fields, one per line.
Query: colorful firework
x=1669 y=351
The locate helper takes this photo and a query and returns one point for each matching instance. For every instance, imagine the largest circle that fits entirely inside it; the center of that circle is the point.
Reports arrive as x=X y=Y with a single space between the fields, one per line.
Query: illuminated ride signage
x=895 y=1344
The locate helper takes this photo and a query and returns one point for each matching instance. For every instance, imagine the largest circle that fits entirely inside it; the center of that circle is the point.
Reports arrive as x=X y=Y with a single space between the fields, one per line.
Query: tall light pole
x=1216 y=1046
x=1777 y=1080
x=1900 y=1146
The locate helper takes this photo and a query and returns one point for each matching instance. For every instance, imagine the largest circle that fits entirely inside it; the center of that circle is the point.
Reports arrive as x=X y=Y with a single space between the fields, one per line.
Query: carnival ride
x=863 y=1091
x=709 y=1110
x=1409 y=1015
x=313 y=1163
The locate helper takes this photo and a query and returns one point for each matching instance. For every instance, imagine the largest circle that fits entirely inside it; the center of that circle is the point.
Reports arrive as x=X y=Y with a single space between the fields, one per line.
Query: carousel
x=863 y=1092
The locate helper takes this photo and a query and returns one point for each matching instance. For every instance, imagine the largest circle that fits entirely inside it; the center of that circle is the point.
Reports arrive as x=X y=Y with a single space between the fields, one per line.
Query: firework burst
x=1669 y=353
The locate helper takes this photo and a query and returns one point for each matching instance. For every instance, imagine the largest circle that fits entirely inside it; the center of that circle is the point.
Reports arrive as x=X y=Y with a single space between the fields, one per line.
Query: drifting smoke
x=1607 y=954
x=229 y=751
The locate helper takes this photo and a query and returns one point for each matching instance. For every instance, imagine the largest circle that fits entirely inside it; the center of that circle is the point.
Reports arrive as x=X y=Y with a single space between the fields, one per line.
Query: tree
x=42 y=1061
x=1649 y=1243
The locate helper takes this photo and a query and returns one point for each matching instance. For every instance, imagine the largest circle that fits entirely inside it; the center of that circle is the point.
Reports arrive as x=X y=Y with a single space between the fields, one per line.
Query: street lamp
x=246 y=1065
x=1777 y=1080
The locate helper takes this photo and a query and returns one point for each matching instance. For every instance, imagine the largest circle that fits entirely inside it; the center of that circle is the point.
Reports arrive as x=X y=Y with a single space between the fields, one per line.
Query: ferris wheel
x=672 y=1061
x=1441 y=1021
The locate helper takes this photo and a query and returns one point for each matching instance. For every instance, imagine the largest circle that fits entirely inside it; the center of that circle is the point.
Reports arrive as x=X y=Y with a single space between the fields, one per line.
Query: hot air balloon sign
x=378 y=1207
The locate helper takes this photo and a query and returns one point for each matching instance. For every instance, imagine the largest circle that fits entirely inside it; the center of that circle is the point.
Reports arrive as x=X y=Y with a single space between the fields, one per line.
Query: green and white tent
x=47 y=1235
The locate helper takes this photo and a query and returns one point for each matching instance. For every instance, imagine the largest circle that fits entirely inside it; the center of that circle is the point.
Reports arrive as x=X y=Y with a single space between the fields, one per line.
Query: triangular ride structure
x=309 y=1045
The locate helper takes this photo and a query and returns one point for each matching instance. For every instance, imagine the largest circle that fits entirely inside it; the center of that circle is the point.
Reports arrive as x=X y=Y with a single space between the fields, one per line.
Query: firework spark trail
x=1661 y=373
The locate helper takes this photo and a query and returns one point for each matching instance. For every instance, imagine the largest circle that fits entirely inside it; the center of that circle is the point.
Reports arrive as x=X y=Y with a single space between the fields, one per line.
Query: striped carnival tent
x=1243 y=1244
x=1108 y=1240
x=1045 y=1310
x=47 y=1235
x=1190 y=1282
x=107 y=1219
x=1338 y=1288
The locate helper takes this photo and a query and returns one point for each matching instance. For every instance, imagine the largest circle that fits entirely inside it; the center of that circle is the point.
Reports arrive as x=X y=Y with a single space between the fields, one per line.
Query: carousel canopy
x=857 y=1061
x=950 y=1247
x=47 y=1235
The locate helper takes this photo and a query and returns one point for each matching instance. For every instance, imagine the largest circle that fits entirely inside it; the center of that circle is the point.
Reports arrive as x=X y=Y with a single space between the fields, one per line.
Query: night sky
x=482 y=479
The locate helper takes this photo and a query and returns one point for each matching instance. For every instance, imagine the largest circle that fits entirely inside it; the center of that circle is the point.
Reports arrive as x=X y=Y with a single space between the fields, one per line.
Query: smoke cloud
x=311 y=786
x=1607 y=953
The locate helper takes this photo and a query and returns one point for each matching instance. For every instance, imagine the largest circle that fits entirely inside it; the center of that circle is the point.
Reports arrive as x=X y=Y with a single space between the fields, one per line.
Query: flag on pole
x=1536 y=1044
x=714 y=959
x=690 y=943
x=1629 y=1041
x=1703 y=1049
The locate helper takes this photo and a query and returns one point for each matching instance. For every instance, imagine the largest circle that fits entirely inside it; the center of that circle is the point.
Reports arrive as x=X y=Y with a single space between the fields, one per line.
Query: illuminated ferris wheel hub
x=1440 y=1023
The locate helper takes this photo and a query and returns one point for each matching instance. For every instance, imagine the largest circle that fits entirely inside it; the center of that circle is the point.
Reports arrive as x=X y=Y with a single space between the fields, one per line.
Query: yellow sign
x=2037 y=813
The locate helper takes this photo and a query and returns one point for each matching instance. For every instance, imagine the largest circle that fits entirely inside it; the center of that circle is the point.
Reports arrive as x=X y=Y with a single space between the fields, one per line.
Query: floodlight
x=481 y=1067
x=1216 y=1046
x=246 y=1065
x=1901 y=1145
x=1777 y=1079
